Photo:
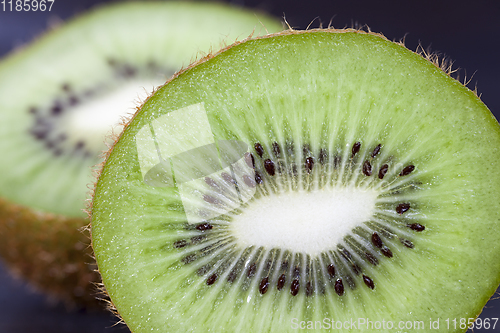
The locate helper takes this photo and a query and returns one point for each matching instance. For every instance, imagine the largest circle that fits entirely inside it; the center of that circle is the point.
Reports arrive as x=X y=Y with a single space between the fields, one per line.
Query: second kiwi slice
x=306 y=180
x=61 y=95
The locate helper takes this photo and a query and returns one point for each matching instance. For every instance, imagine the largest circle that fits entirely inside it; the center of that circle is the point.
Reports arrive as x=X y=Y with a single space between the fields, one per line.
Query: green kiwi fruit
x=305 y=180
x=60 y=97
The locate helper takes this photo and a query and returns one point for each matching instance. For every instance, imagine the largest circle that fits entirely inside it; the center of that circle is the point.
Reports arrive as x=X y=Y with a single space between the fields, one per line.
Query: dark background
x=467 y=32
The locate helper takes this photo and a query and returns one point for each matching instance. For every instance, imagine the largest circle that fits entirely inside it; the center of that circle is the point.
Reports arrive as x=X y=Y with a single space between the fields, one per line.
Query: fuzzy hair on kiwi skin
x=59 y=260
x=441 y=63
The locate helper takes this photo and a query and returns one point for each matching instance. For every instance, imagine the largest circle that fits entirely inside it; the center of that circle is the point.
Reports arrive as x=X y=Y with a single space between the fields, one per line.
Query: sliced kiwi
x=309 y=179
x=60 y=97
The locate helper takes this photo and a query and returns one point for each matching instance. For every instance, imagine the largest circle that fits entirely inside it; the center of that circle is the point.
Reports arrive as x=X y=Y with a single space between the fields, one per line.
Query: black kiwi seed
x=368 y=282
x=251 y=270
x=210 y=199
x=339 y=287
x=331 y=270
x=294 y=287
x=259 y=149
x=56 y=109
x=383 y=170
x=376 y=240
x=211 y=279
x=227 y=177
x=281 y=282
x=386 y=252
x=402 y=208
x=355 y=149
x=180 y=243
x=416 y=227
x=407 y=170
x=371 y=258
x=376 y=150
x=249 y=181
x=204 y=226
x=276 y=149
x=264 y=285
x=258 y=178
x=250 y=160
x=367 y=168
x=269 y=166
x=211 y=182
x=309 y=164
x=79 y=145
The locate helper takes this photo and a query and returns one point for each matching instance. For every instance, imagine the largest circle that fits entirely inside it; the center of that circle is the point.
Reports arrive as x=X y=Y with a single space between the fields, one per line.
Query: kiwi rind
x=58 y=259
x=51 y=251
x=474 y=287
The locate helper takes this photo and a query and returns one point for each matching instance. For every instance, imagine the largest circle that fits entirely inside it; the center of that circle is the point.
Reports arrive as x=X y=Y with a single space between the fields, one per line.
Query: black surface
x=22 y=310
x=468 y=32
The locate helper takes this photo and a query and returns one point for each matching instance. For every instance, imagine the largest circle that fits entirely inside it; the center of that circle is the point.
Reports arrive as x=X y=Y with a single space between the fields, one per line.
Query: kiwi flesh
x=303 y=180
x=60 y=97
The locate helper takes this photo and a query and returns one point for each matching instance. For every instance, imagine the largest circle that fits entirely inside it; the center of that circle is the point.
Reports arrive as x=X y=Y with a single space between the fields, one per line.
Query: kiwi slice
x=60 y=97
x=308 y=179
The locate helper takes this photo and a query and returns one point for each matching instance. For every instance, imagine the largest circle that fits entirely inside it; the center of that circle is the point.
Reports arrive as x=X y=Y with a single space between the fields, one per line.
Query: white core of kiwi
x=319 y=220
x=99 y=117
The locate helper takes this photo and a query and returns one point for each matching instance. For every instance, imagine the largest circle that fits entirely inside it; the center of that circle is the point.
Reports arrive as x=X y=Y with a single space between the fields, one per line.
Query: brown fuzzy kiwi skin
x=440 y=62
x=50 y=251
